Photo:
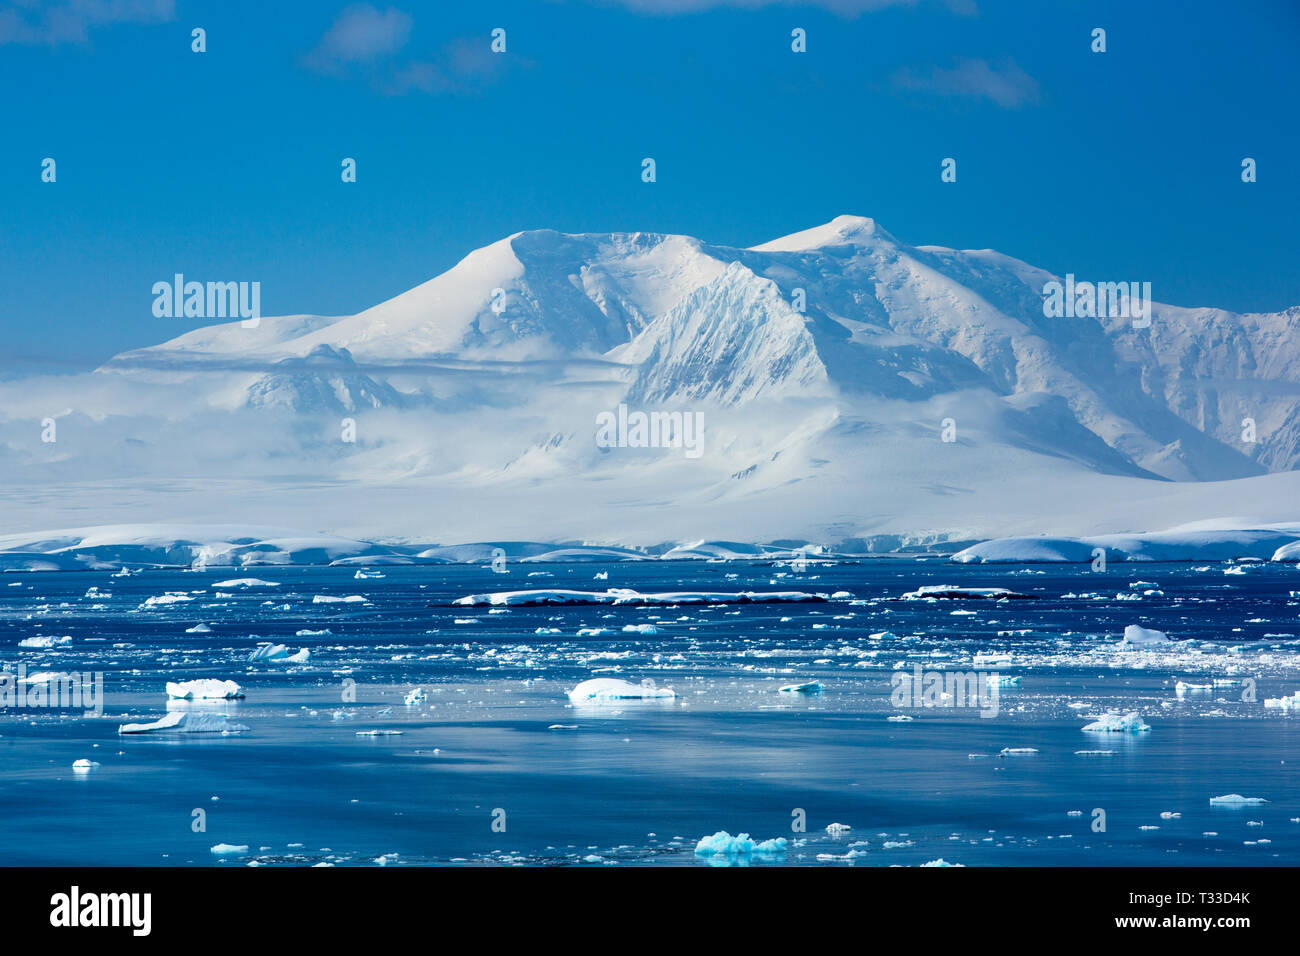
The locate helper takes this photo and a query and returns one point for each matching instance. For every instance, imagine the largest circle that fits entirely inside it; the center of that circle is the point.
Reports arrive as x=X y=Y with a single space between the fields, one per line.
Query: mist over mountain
x=851 y=387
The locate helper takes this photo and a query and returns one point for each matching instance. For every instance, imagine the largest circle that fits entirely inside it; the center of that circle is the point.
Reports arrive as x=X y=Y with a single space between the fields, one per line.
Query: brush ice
x=1129 y=723
x=611 y=688
x=206 y=688
x=629 y=596
x=185 y=722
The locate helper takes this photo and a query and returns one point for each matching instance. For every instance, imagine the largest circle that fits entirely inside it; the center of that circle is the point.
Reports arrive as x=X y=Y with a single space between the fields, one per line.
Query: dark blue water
x=641 y=782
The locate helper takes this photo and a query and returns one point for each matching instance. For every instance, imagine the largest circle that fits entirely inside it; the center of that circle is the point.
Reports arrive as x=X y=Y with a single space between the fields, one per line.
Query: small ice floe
x=184 y=722
x=547 y=630
x=228 y=849
x=1170 y=815
x=364 y=575
x=1002 y=680
x=416 y=696
x=900 y=718
x=1236 y=800
x=601 y=576
x=206 y=688
x=1095 y=753
x=611 y=688
x=837 y=829
x=340 y=599
x=627 y=596
x=246 y=583
x=49 y=677
x=562 y=727
x=723 y=843
x=198 y=629
x=1182 y=689
x=951 y=591
x=595 y=632
x=1137 y=636
x=808 y=687
x=1284 y=704
x=44 y=641
x=266 y=651
x=307 y=632
x=647 y=629
x=1018 y=751
x=379 y=733
x=942 y=862
x=1129 y=723
x=84 y=766
x=171 y=597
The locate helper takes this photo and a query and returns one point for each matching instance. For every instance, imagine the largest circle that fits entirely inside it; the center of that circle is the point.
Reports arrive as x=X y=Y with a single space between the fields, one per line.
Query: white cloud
x=55 y=22
x=1005 y=83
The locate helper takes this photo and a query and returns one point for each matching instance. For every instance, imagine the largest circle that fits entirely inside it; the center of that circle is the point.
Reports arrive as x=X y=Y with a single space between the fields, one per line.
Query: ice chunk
x=1136 y=636
x=647 y=629
x=627 y=596
x=611 y=688
x=956 y=591
x=184 y=722
x=723 y=843
x=246 y=583
x=811 y=687
x=83 y=765
x=267 y=651
x=1129 y=723
x=198 y=629
x=228 y=849
x=204 y=689
x=942 y=862
x=416 y=696
x=1236 y=800
x=42 y=641
x=1285 y=704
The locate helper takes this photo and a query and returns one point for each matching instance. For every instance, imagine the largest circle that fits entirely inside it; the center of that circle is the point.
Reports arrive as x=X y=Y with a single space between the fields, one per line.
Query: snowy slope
x=853 y=387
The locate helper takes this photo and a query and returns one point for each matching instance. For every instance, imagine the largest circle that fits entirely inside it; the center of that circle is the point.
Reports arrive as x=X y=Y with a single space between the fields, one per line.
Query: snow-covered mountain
x=851 y=385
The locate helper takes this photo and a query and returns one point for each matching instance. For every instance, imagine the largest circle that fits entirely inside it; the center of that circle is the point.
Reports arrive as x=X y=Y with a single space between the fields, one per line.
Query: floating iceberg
x=1236 y=800
x=228 y=849
x=1136 y=636
x=184 y=722
x=627 y=596
x=267 y=651
x=811 y=687
x=206 y=688
x=84 y=766
x=43 y=641
x=955 y=591
x=723 y=843
x=246 y=583
x=611 y=688
x=198 y=629
x=1129 y=723
x=942 y=862
x=1285 y=704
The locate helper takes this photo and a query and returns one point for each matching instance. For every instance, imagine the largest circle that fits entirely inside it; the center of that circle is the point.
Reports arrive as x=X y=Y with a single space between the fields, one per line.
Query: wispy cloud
x=360 y=34
x=1003 y=83
x=56 y=22
x=364 y=39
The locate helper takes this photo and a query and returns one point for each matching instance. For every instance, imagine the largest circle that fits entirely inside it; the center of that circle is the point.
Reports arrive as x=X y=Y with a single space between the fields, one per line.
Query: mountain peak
x=840 y=231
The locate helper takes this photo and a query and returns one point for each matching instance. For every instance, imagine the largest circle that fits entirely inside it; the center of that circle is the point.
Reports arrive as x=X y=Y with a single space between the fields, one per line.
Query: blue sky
x=225 y=165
